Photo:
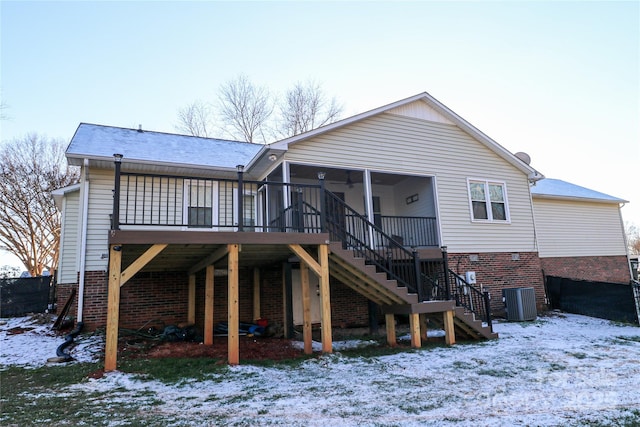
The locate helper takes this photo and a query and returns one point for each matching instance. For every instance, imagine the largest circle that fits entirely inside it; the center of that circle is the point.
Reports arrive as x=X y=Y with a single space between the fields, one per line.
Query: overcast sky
x=558 y=80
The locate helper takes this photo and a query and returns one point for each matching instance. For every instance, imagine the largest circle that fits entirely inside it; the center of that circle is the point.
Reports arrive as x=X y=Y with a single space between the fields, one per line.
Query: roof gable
x=558 y=189
x=422 y=106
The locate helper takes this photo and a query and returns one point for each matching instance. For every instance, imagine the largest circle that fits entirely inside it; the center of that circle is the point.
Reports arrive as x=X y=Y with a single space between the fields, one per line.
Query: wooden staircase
x=364 y=278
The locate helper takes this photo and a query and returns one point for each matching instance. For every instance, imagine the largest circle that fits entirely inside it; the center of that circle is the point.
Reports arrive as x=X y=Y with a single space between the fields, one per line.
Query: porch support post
x=233 y=319
x=240 y=200
x=286 y=196
x=323 y=254
x=191 y=310
x=423 y=327
x=414 y=325
x=113 y=308
x=208 y=305
x=390 y=322
x=368 y=198
x=306 y=308
x=256 y=294
x=449 y=329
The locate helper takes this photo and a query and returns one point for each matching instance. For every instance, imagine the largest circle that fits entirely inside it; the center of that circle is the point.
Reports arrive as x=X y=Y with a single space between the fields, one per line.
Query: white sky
x=558 y=80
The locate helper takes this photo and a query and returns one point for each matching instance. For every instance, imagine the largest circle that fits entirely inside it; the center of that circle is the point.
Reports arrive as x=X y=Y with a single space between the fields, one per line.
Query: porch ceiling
x=340 y=175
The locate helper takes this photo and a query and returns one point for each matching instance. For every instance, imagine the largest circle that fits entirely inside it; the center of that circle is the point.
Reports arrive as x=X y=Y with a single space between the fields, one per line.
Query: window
x=488 y=201
x=199 y=196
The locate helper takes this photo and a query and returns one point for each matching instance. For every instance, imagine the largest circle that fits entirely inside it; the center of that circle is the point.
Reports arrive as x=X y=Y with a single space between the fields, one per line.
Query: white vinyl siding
x=573 y=228
x=393 y=143
x=69 y=241
x=99 y=224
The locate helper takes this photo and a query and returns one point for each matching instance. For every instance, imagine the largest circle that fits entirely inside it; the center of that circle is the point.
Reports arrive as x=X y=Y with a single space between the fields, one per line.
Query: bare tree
x=195 y=119
x=633 y=238
x=244 y=109
x=306 y=107
x=30 y=168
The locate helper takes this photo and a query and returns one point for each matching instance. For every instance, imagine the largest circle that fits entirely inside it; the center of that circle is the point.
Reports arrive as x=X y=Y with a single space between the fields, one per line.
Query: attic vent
x=139 y=128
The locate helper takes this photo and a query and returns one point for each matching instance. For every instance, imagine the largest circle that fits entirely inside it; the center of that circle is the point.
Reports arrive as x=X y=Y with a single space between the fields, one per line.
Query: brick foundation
x=497 y=271
x=614 y=269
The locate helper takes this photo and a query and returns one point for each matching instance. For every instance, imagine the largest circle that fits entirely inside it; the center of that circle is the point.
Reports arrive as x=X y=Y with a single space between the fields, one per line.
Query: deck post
x=306 y=308
x=423 y=327
x=113 y=308
x=445 y=267
x=240 y=169
x=327 y=341
x=256 y=294
x=449 y=329
x=418 y=274
x=115 y=218
x=323 y=203
x=414 y=326
x=191 y=305
x=208 y=304
x=234 y=315
x=390 y=322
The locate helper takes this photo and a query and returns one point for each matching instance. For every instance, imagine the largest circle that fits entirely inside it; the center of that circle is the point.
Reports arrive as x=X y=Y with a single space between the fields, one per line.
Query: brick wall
x=497 y=271
x=614 y=269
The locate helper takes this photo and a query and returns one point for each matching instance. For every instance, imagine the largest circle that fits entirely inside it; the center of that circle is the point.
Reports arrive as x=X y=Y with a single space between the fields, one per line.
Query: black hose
x=68 y=340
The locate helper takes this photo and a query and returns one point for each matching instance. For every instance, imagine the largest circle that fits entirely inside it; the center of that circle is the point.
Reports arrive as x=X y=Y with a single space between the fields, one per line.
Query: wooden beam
x=216 y=256
x=191 y=310
x=308 y=259
x=325 y=298
x=256 y=294
x=423 y=326
x=414 y=326
x=449 y=329
x=209 y=286
x=390 y=322
x=193 y=237
x=233 y=317
x=306 y=308
x=139 y=263
x=113 y=308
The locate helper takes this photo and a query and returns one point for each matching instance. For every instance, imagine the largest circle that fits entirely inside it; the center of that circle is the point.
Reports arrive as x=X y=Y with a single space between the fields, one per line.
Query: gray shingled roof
x=561 y=189
x=97 y=141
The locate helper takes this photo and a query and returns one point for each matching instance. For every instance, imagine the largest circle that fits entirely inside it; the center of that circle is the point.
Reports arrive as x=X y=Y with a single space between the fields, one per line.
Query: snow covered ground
x=559 y=370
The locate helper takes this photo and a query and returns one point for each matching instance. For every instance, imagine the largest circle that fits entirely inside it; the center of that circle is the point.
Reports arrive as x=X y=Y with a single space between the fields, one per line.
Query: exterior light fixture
x=272 y=157
x=240 y=168
x=117 y=158
x=321 y=174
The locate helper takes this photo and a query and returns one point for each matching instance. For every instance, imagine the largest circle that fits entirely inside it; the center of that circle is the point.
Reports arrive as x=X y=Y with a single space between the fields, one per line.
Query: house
x=406 y=209
x=580 y=232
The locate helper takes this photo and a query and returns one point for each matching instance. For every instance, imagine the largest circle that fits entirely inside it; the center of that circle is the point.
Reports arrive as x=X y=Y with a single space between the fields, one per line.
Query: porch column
x=256 y=294
x=191 y=305
x=414 y=326
x=449 y=329
x=390 y=322
x=368 y=198
x=234 y=315
x=208 y=304
x=306 y=308
x=113 y=308
x=323 y=254
x=286 y=179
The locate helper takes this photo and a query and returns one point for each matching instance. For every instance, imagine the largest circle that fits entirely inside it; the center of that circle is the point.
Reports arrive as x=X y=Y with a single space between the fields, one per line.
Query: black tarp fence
x=612 y=301
x=25 y=295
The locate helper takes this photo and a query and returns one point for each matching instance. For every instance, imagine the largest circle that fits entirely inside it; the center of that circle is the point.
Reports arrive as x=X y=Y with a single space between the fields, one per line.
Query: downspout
x=83 y=238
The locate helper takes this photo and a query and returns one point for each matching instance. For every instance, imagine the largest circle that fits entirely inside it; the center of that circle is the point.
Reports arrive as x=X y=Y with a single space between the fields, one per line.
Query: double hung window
x=488 y=201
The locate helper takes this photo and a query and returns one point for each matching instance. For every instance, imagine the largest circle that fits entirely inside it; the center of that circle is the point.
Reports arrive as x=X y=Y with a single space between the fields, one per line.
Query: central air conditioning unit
x=520 y=304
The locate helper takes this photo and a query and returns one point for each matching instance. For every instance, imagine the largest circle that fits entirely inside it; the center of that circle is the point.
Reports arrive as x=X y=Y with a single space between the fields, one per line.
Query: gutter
x=83 y=239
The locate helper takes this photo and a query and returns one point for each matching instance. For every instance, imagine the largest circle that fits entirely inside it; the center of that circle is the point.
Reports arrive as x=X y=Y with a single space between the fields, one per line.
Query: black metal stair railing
x=474 y=300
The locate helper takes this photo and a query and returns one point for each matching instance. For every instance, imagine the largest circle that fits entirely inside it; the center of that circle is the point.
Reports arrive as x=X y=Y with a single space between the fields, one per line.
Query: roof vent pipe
x=139 y=128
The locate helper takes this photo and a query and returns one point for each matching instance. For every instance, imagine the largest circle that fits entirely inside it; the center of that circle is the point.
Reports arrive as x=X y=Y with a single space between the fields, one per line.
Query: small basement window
x=488 y=201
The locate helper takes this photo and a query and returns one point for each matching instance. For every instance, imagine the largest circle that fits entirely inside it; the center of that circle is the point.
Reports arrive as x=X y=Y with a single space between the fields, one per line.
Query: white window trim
x=486 y=183
x=214 y=205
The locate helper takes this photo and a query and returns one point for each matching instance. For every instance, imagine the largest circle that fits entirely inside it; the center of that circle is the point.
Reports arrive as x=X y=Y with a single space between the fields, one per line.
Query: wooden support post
x=390 y=321
x=256 y=294
x=327 y=341
x=234 y=314
x=449 y=329
x=208 y=305
x=423 y=327
x=191 y=309
x=414 y=326
x=306 y=308
x=113 y=308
